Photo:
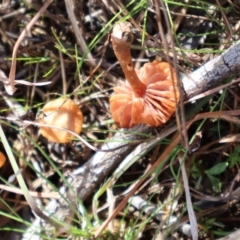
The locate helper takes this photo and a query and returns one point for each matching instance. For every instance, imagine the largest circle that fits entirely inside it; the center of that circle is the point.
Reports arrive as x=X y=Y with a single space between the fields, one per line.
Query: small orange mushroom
x=62 y=113
x=2 y=159
x=148 y=95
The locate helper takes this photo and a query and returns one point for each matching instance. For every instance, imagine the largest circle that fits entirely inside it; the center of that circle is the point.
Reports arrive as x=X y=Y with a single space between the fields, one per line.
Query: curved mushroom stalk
x=148 y=95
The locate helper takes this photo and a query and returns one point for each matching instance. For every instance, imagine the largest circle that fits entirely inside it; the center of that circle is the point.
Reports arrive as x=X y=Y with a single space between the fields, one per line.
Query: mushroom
x=148 y=95
x=2 y=159
x=63 y=113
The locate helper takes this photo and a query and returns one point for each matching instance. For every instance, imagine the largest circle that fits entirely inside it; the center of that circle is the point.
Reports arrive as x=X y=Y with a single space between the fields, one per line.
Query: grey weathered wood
x=88 y=177
x=213 y=72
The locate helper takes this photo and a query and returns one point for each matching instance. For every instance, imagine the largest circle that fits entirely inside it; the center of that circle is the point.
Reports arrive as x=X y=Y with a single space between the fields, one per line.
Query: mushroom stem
x=122 y=39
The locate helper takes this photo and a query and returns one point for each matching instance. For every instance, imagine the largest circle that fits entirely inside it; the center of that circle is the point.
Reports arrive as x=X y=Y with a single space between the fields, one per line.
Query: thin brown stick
x=80 y=40
x=10 y=85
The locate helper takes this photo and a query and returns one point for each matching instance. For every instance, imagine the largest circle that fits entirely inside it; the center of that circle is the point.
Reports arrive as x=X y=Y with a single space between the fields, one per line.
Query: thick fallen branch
x=87 y=178
x=213 y=72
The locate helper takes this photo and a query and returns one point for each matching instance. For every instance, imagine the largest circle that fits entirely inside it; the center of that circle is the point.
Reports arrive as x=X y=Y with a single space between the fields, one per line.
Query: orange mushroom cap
x=2 y=159
x=62 y=113
x=155 y=106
